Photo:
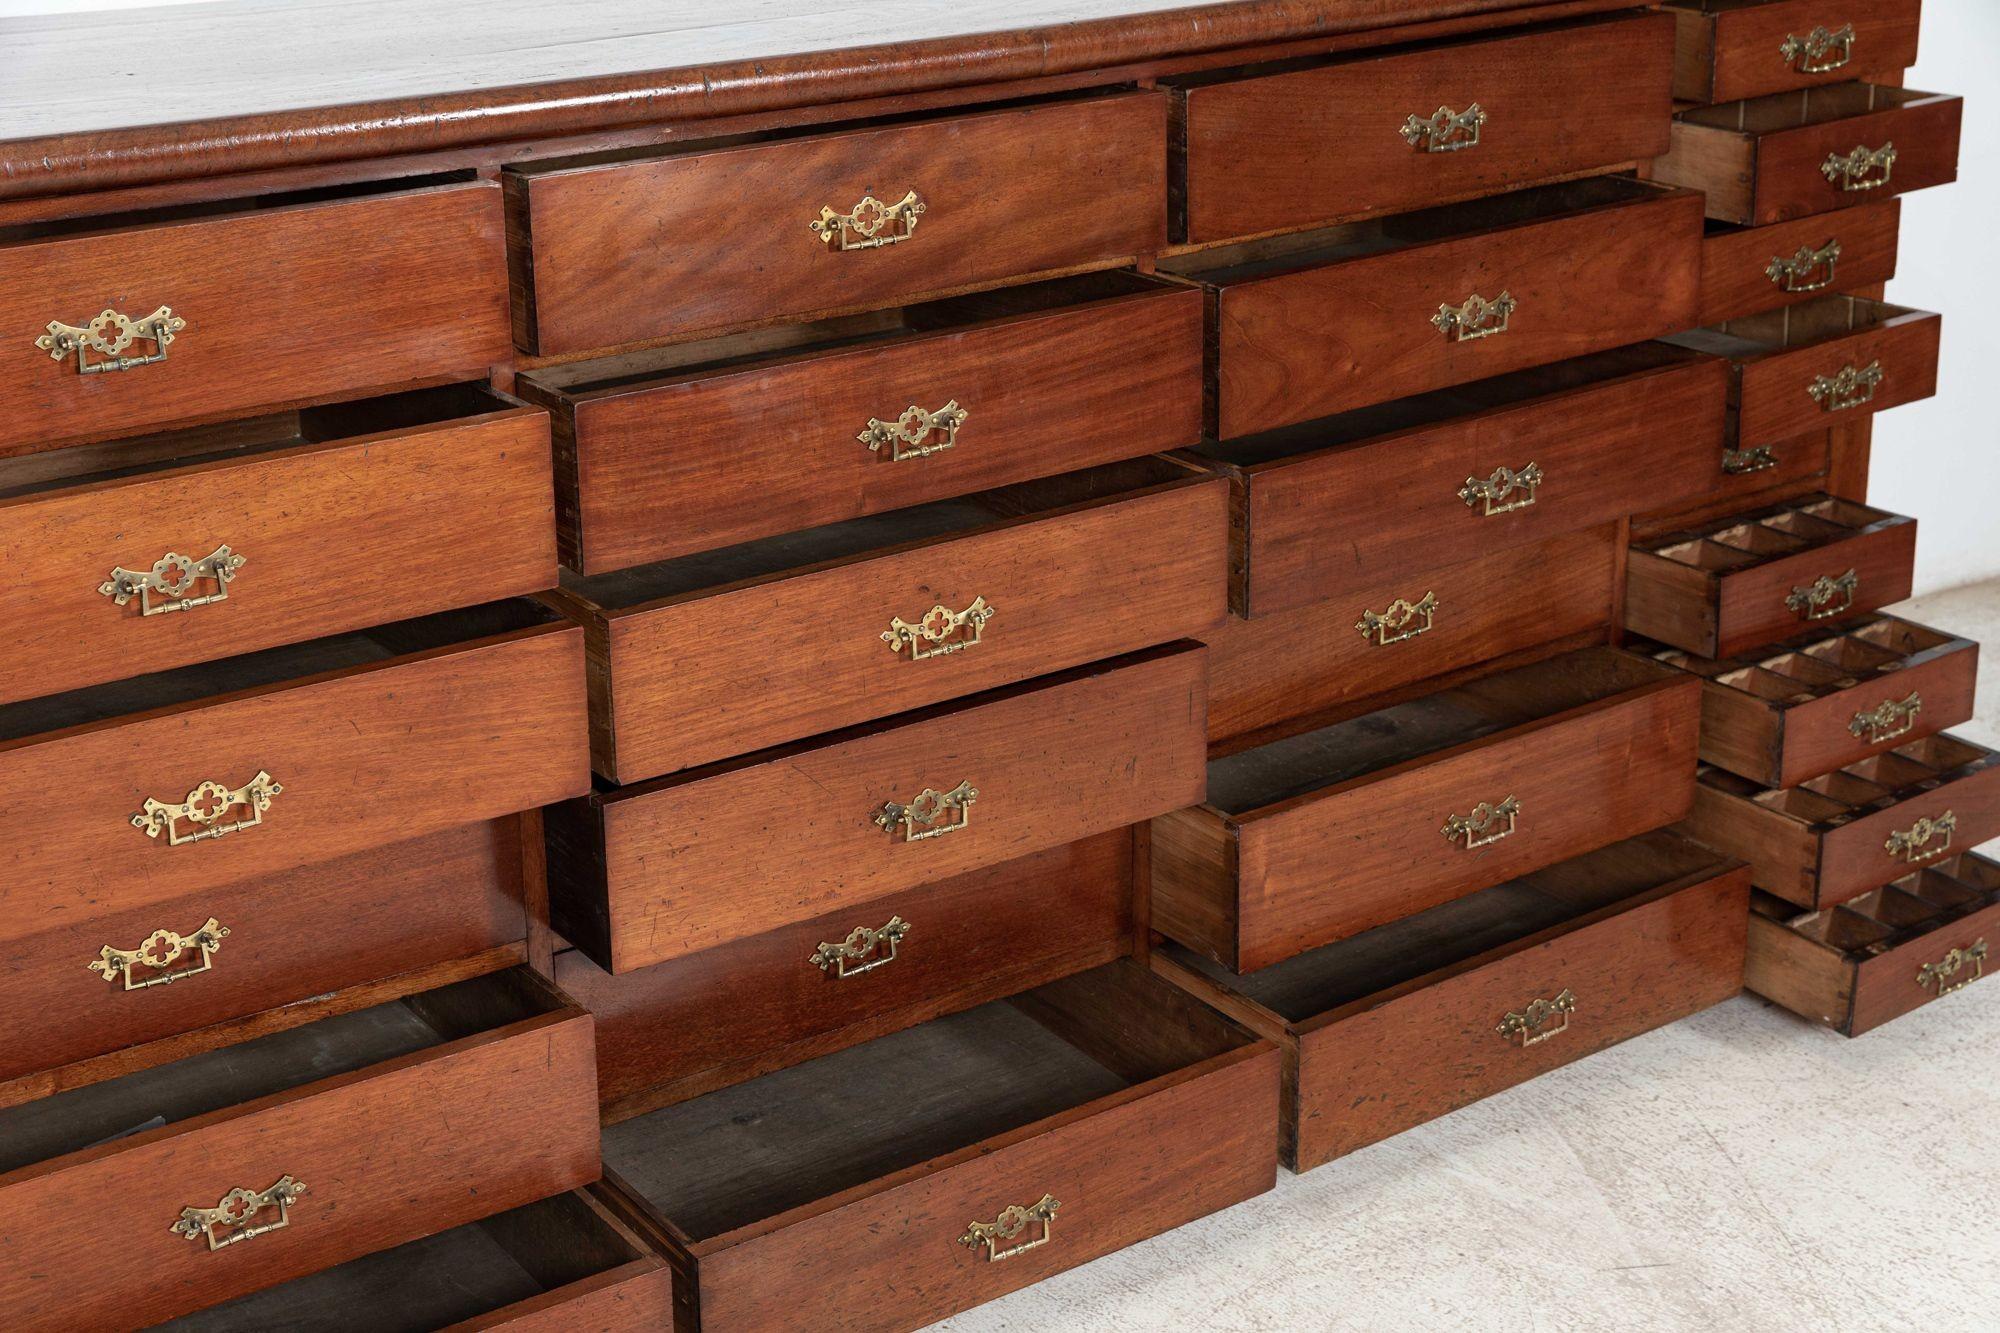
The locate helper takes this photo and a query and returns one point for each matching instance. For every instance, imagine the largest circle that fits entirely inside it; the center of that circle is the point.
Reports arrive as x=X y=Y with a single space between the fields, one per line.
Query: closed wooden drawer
x=1756 y=578
x=1785 y=156
x=1726 y=50
x=379 y=1126
x=154 y=553
x=719 y=447
x=1394 y=1028
x=1802 y=708
x=1323 y=322
x=1875 y=958
x=901 y=1181
x=1376 y=134
x=1326 y=508
x=270 y=307
x=662 y=869
x=624 y=251
x=1334 y=831
x=1748 y=270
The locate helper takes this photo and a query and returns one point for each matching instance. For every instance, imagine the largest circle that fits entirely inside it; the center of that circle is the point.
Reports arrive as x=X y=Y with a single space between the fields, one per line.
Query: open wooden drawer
x=898 y=1182
x=1748 y=270
x=1407 y=1022
x=1731 y=49
x=1875 y=958
x=173 y=1188
x=1334 y=831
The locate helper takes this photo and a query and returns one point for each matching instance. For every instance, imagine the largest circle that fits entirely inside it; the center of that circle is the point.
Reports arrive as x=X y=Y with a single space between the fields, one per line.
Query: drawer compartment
x=353 y=1133
x=923 y=1173
x=712 y=444
x=269 y=531
x=1748 y=270
x=1875 y=958
x=1380 y=133
x=662 y=869
x=620 y=250
x=1335 y=831
x=1754 y=579
x=1410 y=1021
x=269 y=307
x=1726 y=50
x=860 y=620
x=1317 y=323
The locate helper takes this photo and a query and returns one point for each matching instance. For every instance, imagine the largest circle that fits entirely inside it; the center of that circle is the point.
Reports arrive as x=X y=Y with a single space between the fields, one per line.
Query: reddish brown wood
x=634 y=1298
x=1728 y=50
x=1774 y=402
x=1736 y=261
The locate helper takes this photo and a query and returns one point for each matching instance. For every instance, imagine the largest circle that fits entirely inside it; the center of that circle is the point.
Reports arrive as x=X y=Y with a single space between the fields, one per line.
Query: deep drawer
x=1748 y=270
x=1731 y=49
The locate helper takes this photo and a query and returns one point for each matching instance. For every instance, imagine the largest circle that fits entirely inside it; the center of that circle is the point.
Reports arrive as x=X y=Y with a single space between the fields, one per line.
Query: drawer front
x=1774 y=47
x=1856 y=856
x=445 y=516
x=288 y=306
x=1893 y=983
x=1361 y=137
x=1752 y=604
x=1310 y=343
x=632 y=251
x=1790 y=181
x=1792 y=393
x=1745 y=271
x=633 y=1298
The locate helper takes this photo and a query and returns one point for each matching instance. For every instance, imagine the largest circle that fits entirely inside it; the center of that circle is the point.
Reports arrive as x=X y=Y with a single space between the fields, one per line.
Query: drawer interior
x=1895 y=914
x=1862 y=788
x=1743 y=540
x=1807 y=106
x=1813 y=666
x=1820 y=320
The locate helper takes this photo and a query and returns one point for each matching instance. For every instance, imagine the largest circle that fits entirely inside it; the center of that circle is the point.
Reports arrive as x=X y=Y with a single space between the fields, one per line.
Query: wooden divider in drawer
x=1836 y=837
x=1804 y=707
x=626 y=248
x=1338 y=830
x=152 y=789
x=115 y=326
x=1856 y=966
x=901 y=1181
x=177 y=1187
x=1758 y=578
x=1726 y=50
x=1317 y=323
x=1748 y=270
x=662 y=869
x=156 y=552
x=710 y=444
x=1396 y=1027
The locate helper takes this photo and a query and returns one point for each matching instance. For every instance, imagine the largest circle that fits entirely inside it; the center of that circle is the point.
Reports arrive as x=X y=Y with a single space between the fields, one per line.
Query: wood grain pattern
x=1729 y=52
x=634 y=1298
x=1773 y=398
x=1735 y=261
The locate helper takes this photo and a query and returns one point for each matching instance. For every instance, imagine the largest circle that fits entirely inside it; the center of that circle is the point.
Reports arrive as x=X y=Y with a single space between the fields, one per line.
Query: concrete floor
x=1740 y=1170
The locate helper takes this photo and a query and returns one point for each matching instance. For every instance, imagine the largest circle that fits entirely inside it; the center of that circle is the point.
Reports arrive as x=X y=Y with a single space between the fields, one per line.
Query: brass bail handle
x=108 y=336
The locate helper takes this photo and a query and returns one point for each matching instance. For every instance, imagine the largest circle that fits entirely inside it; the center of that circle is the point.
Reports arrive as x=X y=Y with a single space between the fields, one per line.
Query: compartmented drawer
x=160 y=551
x=114 y=326
x=1396 y=1027
x=923 y=1173
x=859 y=620
x=663 y=869
x=711 y=444
x=1773 y=158
x=1748 y=270
x=1726 y=50
x=1802 y=708
x=1875 y=958
x=1835 y=837
x=1337 y=830
x=624 y=248
x=1370 y=133
x=1326 y=508
x=195 y=1182
x=1316 y=323
x=1754 y=579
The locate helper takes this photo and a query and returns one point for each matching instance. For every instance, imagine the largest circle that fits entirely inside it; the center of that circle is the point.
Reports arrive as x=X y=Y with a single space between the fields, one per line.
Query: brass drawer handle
x=1445 y=130
x=932 y=813
x=234 y=1218
x=870 y=224
x=941 y=632
x=205 y=807
x=1012 y=1222
x=1742 y=462
x=1887 y=720
x=1403 y=620
x=1819 y=51
x=1862 y=169
x=1913 y=844
x=865 y=949
x=1540 y=1020
x=916 y=433
x=1853 y=387
x=1808 y=270
x=161 y=950
x=1825 y=597
x=1495 y=490
x=1938 y=976
x=1475 y=317
x=109 y=335
x=172 y=577
x=1487 y=824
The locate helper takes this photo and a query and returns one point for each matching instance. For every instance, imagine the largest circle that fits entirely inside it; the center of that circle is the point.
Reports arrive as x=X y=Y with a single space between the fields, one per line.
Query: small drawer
x=1335 y=831
x=622 y=249
x=1802 y=708
x=1726 y=50
x=859 y=620
x=1740 y=583
x=1396 y=1027
x=668 y=1033
x=115 y=326
x=1875 y=958
x=199 y=1181
x=1833 y=838
x=1317 y=323
x=269 y=531
x=1326 y=508
x=712 y=444
x=1748 y=270
x=1369 y=133
x=901 y=1181
x=1788 y=155
x=667 y=868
